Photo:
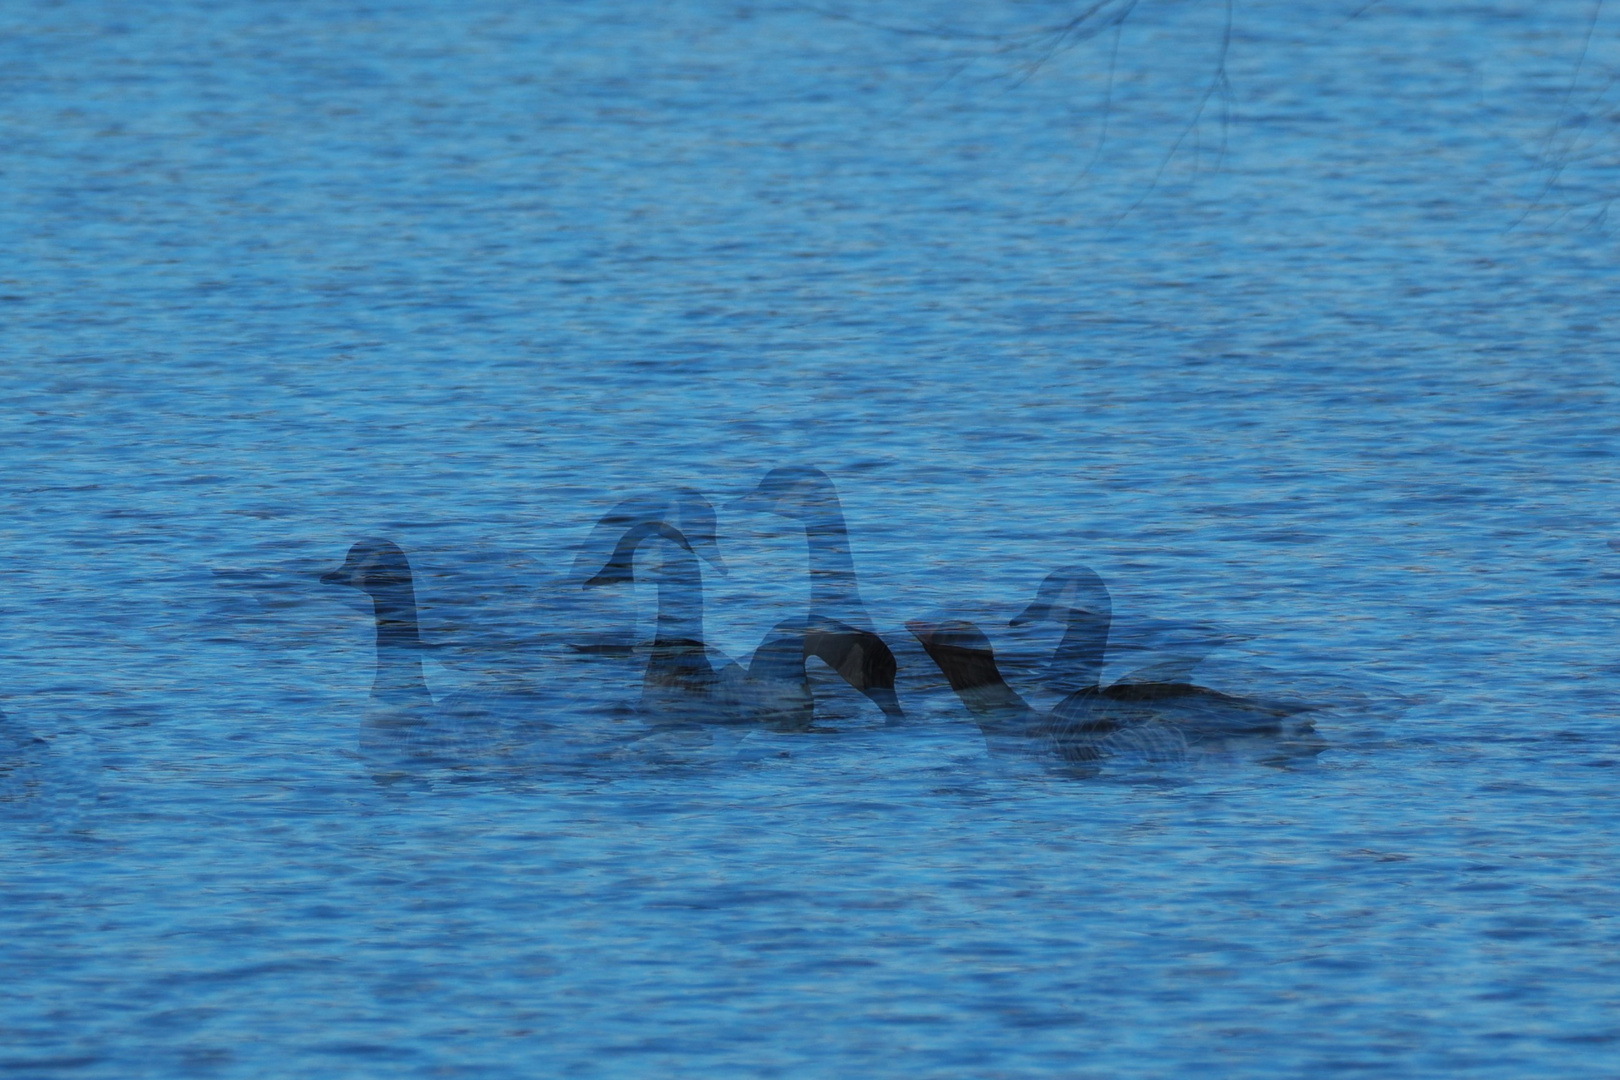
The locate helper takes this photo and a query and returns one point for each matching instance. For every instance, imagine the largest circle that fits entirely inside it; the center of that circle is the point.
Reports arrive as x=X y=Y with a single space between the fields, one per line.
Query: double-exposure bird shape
x=404 y=727
x=682 y=683
x=1139 y=716
x=587 y=622
x=837 y=628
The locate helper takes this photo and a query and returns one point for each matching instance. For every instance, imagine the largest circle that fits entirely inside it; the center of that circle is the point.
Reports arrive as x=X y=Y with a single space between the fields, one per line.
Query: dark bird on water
x=682 y=684
x=1142 y=717
x=837 y=628
x=404 y=727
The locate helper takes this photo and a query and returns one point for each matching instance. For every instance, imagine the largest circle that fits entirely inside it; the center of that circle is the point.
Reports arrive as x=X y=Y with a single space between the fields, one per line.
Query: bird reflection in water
x=1142 y=717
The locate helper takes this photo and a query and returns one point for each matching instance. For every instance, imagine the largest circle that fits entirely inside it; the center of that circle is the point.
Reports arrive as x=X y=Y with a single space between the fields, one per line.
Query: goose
x=681 y=684
x=500 y=613
x=685 y=509
x=837 y=628
x=404 y=727
x=1160 y=720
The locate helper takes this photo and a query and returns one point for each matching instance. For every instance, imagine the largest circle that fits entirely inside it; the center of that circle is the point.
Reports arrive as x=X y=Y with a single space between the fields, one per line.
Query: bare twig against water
x=1558 y=159
x=1028 y=52
x=1218 y=83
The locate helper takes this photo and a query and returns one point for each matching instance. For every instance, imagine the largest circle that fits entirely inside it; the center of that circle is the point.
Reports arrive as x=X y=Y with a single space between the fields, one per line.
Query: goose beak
x=953 y=633
x=343 y=575
x=1036 y=612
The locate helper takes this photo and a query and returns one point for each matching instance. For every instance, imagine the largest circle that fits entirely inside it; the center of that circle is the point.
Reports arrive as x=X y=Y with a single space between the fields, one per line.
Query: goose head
x=620 y=567
x=694 y=518
x=961 y=650
x=949 y=634
x=684 y=507
x=373 y=567
x=1073 y=595
x=795 y=491
x=1076 y=598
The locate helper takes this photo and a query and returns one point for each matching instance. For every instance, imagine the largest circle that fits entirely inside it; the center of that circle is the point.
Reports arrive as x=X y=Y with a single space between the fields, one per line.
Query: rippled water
x=1313 y=342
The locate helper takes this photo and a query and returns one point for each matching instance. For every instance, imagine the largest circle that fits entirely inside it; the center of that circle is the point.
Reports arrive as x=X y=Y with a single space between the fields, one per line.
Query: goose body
x=837 y=628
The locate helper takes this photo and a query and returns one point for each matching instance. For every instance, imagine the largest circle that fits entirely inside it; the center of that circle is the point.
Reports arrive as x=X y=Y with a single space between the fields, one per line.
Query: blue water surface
x=1294 y=318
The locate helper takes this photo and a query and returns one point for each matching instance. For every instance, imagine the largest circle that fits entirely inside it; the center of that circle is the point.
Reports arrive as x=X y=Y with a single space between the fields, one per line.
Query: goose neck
x=680 y=596
x=833 y=589
x=1078 y=660
x=399 y=643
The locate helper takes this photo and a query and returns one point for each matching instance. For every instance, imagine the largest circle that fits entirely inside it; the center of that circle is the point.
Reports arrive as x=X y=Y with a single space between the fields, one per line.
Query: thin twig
x=1555 y=170
x=1217 y=83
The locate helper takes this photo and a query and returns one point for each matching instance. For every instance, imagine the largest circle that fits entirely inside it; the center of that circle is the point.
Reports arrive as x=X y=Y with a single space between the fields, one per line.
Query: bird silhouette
x=837 y=628
x=682 y=684
x=1142 y=716
x=404 y=727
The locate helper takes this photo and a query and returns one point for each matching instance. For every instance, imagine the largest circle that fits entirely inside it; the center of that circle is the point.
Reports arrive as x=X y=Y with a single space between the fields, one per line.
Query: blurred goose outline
x=1159 y=720
x=837 y=628
x=681 y=684
x=685 y=509
x=403 y=722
